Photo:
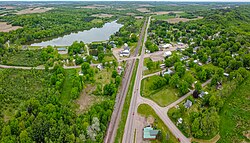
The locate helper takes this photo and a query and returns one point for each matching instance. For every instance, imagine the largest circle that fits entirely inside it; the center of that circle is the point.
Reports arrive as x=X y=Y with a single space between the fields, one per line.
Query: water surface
x=87 y=36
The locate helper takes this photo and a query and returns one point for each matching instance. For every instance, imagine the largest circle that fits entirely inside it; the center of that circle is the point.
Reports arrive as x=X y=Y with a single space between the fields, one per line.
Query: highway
x=120 y=98
x=128 y=136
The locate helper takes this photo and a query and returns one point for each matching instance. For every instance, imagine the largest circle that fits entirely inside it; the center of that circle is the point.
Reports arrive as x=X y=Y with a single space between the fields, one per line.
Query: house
x=149 y=133
x=202 y=94
x=184 y=58
x=125 y=53
x=120 y=70
x=167 y=72
x=167 y=53
x=188 y=104
x=62 y=50
x=219 y=85
x=162 y=66
x=226 y=74
x=180 y=120
x=95 y=58
x=99 y=66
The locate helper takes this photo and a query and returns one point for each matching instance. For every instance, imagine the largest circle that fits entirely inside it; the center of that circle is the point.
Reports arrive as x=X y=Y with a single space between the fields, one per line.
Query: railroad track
x=120 y=99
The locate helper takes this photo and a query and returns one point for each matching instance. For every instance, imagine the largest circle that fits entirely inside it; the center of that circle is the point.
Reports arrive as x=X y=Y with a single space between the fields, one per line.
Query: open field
x=166 y=12
x=34 y=10
x=5 y=27
x=94 y=6
x=235 y=115
x=144 y=10
x=177 y=20
x=102 y=15
x=163 y=96
x=145 y=110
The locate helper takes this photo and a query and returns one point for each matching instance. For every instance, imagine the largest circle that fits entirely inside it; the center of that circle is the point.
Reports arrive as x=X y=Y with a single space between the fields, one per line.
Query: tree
x=183 y=87
x=101 y=57
x=150 y=65
x=114 y=74
x=24 y=137
x=198 y=86
x=174 y=81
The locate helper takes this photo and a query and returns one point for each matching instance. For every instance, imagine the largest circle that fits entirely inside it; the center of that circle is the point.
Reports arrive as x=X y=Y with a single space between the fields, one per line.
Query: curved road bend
x=162 y=113
x=128 y=136
x=120 y=98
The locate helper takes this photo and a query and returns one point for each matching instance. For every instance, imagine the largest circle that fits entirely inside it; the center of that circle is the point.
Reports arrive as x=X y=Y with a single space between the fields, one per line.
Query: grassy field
x=121 y=126
x=146 y=110
x=235 y=115
x=163 y=96
x=67 y=85
x=163 y=17
x=155 y=68
x=23 y=58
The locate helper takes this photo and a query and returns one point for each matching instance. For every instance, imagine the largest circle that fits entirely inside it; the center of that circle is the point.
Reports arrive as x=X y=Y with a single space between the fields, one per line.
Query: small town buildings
x=167 y=53
x=95 y=58
x=149 y=133
x=62 y=50
x=164 y=46
x=126 y=51
x=188 y=104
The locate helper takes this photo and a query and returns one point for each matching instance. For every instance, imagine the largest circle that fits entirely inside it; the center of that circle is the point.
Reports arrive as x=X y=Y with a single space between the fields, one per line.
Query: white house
x=167 y=53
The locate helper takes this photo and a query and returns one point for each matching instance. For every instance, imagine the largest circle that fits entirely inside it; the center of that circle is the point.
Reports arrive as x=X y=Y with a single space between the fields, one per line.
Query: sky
x=145 y=0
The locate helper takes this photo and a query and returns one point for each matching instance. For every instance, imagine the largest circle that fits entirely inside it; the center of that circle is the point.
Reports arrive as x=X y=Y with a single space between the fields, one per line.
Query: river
x=87 y=36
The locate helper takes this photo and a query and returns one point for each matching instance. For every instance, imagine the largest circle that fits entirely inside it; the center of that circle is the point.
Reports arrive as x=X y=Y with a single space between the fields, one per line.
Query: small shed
x=188 y=104
x=167 y=53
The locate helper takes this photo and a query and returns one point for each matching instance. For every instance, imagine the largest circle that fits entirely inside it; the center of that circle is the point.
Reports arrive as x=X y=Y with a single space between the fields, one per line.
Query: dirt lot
x=34 y=10
x=143 y=10
x=132 y=14
x=8 y=7
x=86 y=99
x=94 y=6
x=166 y=12
x=4 y=27
x=102 y=15
x=177 y=20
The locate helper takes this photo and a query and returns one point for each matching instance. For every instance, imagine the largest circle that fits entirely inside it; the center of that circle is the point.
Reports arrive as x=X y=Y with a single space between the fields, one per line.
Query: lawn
x=163 y=96
x=235 y=115
x=155 y=66
x=146 y=110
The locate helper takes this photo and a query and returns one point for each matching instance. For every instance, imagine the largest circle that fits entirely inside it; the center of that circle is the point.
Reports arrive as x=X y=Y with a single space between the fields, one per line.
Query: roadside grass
x=235 y=115
x=163 y=96
x=121 y=126
x=155 y=68
x=145 y=110
x=29 y=58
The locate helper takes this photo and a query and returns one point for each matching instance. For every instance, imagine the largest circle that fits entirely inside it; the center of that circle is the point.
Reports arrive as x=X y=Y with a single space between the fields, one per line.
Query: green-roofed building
x=149 y=133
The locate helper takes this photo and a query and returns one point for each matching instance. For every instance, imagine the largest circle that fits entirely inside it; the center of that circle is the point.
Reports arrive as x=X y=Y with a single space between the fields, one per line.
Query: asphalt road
x=128 y=136
x=120 y=98
x=162 y=113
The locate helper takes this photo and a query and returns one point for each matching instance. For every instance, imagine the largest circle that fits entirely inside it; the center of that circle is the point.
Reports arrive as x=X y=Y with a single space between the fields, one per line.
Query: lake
x=87 y=36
